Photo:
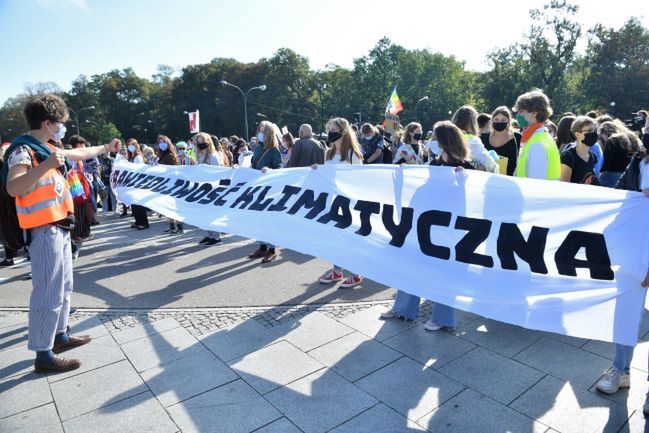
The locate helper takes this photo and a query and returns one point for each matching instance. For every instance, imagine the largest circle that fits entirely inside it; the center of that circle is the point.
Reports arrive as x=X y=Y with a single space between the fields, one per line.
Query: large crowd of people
x=52 y=190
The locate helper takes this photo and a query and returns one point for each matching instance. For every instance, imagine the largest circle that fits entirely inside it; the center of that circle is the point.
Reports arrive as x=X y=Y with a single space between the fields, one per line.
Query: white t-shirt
x=480 y=154
x=139 y=159
x=537 y=161
x=213 y=159
x=245 y=158
x=337 y=160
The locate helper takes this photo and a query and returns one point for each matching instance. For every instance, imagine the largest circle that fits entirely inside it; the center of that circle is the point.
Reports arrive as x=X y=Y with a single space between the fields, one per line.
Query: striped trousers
x=49 y=304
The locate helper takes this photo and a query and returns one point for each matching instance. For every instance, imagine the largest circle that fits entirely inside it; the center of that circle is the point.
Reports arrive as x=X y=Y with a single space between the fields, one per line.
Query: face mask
x=163 y=146
x=590 y=138
x=521 y=121
x=417 y=136
x=333 y=136
x=261 y=137
x=501 y=126
x=202 y=146
x=131 y=148
x=368 y=137
x=58 y=136
x=182 y=152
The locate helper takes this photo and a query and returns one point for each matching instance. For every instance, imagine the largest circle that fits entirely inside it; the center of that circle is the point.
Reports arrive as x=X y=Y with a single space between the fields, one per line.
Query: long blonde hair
x=348 y=143
x=210 y=147
x=272 y=135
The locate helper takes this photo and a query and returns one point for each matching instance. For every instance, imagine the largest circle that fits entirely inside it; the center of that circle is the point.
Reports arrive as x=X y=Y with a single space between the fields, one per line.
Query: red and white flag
x=194 y=122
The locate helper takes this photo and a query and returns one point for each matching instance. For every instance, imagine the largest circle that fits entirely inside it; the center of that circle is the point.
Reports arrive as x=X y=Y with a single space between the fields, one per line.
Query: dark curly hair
x=45 y=107
x=535 y=101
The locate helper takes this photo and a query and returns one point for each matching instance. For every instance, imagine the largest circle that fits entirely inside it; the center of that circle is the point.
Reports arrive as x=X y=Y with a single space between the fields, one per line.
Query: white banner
x=545 y=255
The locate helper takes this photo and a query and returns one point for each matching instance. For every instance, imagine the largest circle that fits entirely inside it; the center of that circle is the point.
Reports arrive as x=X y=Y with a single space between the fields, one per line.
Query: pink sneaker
x=332 y=277
x=351 y=281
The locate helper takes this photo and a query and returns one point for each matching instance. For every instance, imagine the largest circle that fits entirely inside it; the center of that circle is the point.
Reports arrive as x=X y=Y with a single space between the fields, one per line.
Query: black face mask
x=202 y=146
x=500 y=126
x=333 y=136
x=417 y=136
x=590 y=138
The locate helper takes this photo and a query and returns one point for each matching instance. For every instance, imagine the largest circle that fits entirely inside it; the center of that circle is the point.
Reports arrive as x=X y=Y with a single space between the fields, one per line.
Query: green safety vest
x=554 y=159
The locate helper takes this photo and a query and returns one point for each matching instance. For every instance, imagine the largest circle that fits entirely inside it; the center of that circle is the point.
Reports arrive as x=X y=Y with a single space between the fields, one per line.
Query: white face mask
x=182 y=152
x=261 y=137
x=163 y=146
x=131 y=148
x=58 y=135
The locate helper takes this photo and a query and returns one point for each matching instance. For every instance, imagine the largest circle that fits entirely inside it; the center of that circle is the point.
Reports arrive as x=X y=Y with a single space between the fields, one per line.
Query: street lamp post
x=78 y=113
x=425 y=98
x=245 y=101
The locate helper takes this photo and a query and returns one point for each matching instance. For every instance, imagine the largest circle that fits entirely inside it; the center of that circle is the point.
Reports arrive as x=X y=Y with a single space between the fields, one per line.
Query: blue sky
x=57 y=40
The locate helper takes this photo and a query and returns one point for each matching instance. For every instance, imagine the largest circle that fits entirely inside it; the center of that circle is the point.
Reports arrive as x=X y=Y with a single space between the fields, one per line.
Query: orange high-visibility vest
x=46 y=202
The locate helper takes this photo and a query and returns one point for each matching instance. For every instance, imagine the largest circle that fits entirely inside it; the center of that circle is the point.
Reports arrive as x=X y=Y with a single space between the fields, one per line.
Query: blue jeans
x=609 y=178
x=407 y=305
x=623 y=357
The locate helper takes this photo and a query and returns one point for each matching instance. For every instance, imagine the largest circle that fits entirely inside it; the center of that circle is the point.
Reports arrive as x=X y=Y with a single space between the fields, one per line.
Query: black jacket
x=630 y=180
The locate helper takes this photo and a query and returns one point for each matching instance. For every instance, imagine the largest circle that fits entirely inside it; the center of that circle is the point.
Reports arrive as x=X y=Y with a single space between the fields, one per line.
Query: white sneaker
x=432 y=326
x=613 y=380
x=390 y=314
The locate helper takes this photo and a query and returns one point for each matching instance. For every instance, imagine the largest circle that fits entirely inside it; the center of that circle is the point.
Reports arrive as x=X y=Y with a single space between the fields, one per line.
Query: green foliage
x=618 y=61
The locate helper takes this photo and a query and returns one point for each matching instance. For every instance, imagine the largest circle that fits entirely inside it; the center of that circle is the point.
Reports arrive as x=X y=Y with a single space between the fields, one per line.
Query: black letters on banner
x=246 y=198
x=214 y=194
x=397 y=231
x=338 y=212
x=162 y=185
x=511 y=241
x=189 y=188
x=425 y=221
x=288 y=192
x=144 y=179
x=155 y=181
x=366 y=209
x=307 y=201
x=477 y=233
x=177 y=184
x=221 y=200
x=261 y=204
x=597 y=258
x=129 y=179
x=199 y=193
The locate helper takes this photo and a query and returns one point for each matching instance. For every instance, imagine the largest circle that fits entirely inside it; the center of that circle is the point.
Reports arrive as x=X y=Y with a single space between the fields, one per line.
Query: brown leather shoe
x=269 y=257
x=258 y=253
x=58 y=364
x=74 y=342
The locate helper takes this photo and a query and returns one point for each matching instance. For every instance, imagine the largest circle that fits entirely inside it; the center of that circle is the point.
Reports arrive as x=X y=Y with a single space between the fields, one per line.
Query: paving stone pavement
x=316 y=368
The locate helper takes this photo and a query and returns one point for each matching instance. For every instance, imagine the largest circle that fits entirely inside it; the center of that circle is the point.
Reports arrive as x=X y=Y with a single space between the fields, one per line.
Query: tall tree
x=541 y=59
x=618 y=60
